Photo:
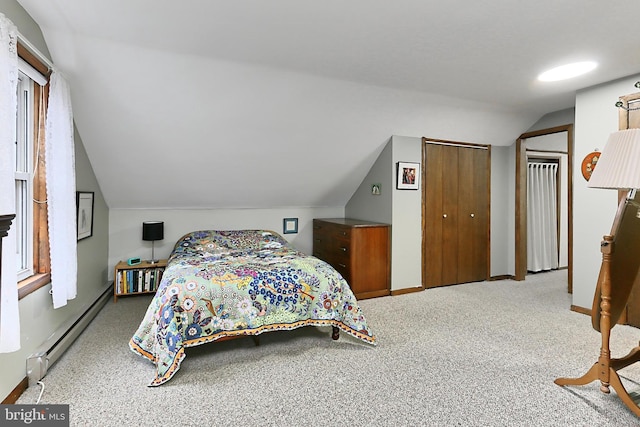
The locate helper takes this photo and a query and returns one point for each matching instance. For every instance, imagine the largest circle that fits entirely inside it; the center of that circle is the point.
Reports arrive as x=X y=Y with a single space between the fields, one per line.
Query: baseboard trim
x=45 y=356
x=406 y=291
x=17 y=392
x=502 y=277
x=422 y=288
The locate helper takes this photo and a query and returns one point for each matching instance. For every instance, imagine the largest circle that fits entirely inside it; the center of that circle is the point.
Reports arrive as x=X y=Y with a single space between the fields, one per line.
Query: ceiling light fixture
x=567 y=71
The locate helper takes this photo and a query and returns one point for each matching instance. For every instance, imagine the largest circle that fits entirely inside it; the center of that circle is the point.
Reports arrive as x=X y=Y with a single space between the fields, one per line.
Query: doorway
x=524 y=144
x=546 y=205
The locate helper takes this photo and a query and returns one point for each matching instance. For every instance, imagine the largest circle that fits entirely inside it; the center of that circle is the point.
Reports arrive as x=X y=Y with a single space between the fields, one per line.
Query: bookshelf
x=138 y=279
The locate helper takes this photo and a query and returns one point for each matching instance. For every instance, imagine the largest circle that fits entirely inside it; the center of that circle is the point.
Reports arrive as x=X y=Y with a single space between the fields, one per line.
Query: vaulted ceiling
x=253 y=103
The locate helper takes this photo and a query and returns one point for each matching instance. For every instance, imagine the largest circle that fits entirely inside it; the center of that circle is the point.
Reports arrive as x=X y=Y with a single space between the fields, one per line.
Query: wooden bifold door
x=455 y=213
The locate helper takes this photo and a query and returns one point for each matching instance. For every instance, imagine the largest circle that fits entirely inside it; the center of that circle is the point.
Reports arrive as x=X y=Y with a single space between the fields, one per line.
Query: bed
x=221 y=284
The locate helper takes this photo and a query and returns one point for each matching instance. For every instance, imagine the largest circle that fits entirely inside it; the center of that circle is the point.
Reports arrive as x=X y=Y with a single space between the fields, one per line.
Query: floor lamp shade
x=153 y=230
x=619 y=163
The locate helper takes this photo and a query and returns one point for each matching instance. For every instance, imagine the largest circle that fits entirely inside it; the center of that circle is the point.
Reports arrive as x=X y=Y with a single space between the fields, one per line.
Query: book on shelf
x=137 y=280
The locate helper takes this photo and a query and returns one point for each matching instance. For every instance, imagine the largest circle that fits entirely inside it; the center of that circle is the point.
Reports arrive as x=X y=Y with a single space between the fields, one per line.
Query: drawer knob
x=342 y=265
x=473 y=215
x=343 y=249
x=444 y=215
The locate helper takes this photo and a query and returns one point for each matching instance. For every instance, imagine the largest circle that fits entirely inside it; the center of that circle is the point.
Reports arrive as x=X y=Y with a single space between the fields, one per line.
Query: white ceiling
x=254 y=103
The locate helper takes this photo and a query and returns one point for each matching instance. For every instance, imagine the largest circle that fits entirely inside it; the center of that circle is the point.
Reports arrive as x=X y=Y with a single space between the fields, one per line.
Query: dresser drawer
x=343 y=269
x=333 y=231
x=340 y=250
x=341 y=233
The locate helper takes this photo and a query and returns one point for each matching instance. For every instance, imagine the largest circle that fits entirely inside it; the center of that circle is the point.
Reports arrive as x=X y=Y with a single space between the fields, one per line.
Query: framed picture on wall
x=290 y=225
x=84 y=212
x=408 y=176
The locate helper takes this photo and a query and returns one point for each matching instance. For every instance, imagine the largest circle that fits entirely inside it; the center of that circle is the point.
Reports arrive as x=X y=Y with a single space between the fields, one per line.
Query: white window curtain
x=61 y=191
x=9 y=315
x=542 y=217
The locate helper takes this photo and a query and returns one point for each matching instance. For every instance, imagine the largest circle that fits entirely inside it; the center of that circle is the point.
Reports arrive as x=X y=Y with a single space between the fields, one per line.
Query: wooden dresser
x=359 y=250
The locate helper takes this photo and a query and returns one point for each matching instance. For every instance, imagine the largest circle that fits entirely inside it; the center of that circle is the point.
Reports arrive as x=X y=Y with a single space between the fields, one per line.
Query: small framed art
x=290 y=225
x=84 y=212
x=408 y=176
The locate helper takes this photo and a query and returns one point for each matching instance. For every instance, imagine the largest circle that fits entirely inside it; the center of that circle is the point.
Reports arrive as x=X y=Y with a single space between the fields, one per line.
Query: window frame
x=39 y=226
x=24 y=175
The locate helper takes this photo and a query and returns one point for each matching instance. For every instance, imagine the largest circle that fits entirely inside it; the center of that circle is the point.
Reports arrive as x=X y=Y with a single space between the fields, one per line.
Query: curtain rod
x=543 y=164
x=533 y=150
x=34 y=50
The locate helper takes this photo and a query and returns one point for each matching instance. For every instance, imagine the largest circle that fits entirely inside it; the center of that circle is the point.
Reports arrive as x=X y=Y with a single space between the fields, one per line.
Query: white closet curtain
x=542 y=218
x=9 y=316
x=61 y=192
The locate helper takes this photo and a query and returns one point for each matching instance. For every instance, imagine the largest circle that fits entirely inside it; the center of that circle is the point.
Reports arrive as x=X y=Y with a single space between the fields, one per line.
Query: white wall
x=126 y=227
x=502 y=212
x=375 y=207
x=593 y=209
x=406 y=232
x=556 y=118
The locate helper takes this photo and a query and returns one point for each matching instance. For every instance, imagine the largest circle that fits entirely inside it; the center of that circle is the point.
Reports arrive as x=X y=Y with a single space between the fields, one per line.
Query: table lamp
x=152 y=230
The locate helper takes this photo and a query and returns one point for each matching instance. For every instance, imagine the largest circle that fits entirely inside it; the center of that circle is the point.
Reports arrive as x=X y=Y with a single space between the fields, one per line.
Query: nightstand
x=143 y=278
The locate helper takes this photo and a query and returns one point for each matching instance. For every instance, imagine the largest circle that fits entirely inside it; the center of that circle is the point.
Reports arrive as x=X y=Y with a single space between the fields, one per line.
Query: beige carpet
x=479 y=354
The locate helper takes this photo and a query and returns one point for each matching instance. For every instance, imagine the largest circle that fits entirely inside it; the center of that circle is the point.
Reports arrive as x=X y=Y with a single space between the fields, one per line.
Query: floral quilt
x=241 y=282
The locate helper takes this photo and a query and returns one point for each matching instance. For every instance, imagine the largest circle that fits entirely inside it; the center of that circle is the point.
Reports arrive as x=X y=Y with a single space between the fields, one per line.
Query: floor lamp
x=618 y=168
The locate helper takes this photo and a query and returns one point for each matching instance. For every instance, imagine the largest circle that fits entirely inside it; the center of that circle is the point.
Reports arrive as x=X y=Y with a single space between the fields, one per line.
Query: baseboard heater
x=39 y=362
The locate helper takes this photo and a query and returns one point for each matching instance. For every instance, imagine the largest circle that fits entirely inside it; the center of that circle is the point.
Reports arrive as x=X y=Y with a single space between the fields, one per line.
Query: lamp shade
x=619 y=163
x=152 y=230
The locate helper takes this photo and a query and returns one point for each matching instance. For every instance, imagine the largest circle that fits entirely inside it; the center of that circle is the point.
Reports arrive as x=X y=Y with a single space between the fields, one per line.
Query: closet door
x=473 y=214
x=450 y=215
x=441 y=253
x=433 y=215
x=455 y=214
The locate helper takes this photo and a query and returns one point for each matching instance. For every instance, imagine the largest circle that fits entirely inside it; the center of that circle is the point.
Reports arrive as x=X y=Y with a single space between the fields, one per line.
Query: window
x=32 y=244
x=24 y=176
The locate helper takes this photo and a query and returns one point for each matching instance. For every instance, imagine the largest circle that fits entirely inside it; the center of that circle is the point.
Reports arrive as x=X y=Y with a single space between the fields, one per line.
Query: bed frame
x=335 y=335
